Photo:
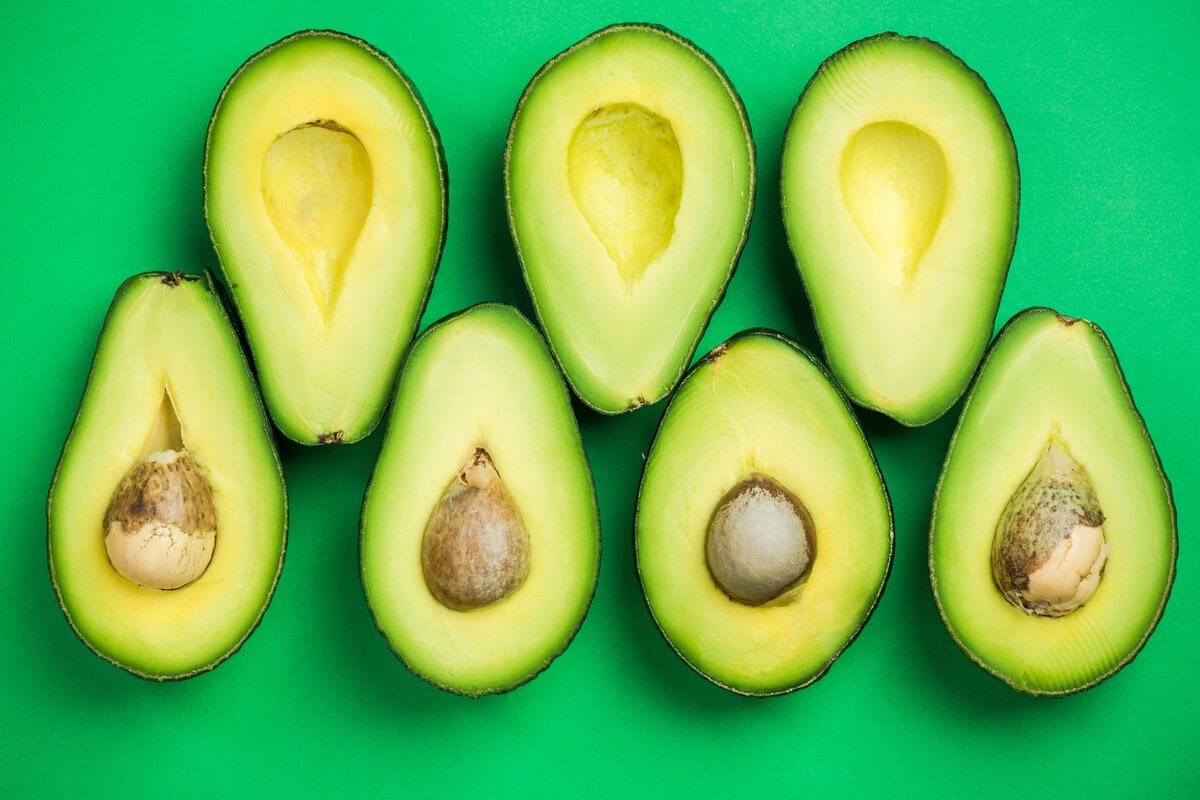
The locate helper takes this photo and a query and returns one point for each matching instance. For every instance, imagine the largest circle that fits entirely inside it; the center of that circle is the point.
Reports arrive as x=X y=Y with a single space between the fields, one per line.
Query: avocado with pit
x=764 y=531
x=629 y=176
x=1053 y=542
x=167 y=515
x=325 y=194
x=480 y=539
x=900 y=194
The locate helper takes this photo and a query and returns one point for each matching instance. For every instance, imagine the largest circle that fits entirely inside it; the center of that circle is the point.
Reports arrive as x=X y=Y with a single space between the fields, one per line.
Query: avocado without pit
x=764 y=531
x=480 y=537
x=325 y=195
x=900 y=194
x=167 y=514
x=1053 y=542
x=629 y=178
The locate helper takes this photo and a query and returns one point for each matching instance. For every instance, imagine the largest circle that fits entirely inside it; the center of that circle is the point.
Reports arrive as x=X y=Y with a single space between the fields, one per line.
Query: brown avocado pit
x=475 y=550
x=760 y=543
x=160 y=528
x=1049 y=551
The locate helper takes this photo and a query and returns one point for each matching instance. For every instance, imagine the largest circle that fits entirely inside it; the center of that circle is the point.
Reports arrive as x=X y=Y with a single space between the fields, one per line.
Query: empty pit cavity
x=625 y=170
x=894 y=178
x=317 y=185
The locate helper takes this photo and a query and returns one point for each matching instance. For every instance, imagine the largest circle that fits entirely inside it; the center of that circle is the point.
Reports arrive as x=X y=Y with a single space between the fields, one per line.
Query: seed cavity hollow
x=317 y=186
x=625 y=170
x=761 y=542
x=1049 y=551
x=894 y=182
x=160 y=528
x=475 y=550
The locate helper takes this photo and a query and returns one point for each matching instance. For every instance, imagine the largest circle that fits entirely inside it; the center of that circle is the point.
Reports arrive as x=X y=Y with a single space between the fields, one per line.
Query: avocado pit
x=1049 y=551
x=161 y=525
x=475 y=550
x=760 y=542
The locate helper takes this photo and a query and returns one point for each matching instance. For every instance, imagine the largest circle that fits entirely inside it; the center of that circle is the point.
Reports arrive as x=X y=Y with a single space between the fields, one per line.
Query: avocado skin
x=230 y=296
x=741 y=109
x=911 y=422
x=1038 y=311
x=713 y=355
x=570 y=637
x=172 y=279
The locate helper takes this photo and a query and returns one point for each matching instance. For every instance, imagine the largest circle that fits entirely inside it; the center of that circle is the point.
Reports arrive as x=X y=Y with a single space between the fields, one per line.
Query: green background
x=105 y=111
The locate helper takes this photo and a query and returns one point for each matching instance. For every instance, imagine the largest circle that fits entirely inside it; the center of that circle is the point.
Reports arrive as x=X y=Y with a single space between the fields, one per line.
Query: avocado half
x=1052 y=384
x=169 y=377
x=325 y=194
x=900 y=193
x=480 y=386
x=629 y=177
x=758 y=416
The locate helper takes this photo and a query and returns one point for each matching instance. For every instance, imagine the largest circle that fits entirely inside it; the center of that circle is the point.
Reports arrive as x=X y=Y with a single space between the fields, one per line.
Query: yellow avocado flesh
x=1049 y=376
x=483 y=378
x=168 y=373
x=325 y=197
x=761 y=406
x=630 y=182
x=900 y=193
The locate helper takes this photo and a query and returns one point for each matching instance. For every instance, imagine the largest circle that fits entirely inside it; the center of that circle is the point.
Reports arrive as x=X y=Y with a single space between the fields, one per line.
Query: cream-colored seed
x=160 y=528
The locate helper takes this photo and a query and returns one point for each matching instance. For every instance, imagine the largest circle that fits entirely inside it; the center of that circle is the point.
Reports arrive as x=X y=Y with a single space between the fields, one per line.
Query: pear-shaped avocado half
x=629 y=176
x=480 y=541
x=167 y=516
x=900 y=196
x=1052 y=547
x=325 y=193
x=764 y=531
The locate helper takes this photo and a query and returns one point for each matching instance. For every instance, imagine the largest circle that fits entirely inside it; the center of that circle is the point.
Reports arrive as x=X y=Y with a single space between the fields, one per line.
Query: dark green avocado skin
x=612 y=30
x=208 y=282
x=713 y=355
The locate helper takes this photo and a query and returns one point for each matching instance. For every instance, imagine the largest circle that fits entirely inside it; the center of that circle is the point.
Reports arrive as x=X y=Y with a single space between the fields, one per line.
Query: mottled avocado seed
x=1049 y=551
x=161 y=525
x=475 y=551
x=760 y=541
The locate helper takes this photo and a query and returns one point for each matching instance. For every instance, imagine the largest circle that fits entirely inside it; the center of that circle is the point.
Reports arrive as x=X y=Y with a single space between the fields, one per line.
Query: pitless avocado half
x=325 y=194
x=629 y=178
x=167 y=515
x=900 y=194
x=1052 y=546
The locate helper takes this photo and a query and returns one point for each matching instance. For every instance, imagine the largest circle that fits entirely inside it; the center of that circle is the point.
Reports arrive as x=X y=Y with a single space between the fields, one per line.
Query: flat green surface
x=105 y=112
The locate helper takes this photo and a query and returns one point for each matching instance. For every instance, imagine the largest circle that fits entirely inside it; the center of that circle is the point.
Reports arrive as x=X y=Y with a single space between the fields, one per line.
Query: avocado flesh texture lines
x=1049 y=376
x=624 y=301
x=900 y=190
x=325 y=195
x=163 y=349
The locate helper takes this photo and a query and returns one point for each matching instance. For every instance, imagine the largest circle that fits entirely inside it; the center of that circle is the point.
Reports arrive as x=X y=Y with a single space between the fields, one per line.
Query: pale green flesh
x=900 y=196
x=761 y=406
x=624 y=283
x=325 y=198
x=483 y=378
x=1047 y=376
x=176 y=339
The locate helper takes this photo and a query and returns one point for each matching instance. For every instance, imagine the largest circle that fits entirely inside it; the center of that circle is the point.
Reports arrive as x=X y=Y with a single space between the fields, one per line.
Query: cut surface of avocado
x=764 y=532
x=480 y=532
x=325 y=193
x=629 y=177
x=1053 y=542
x=900 y=194
x=167 y=516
